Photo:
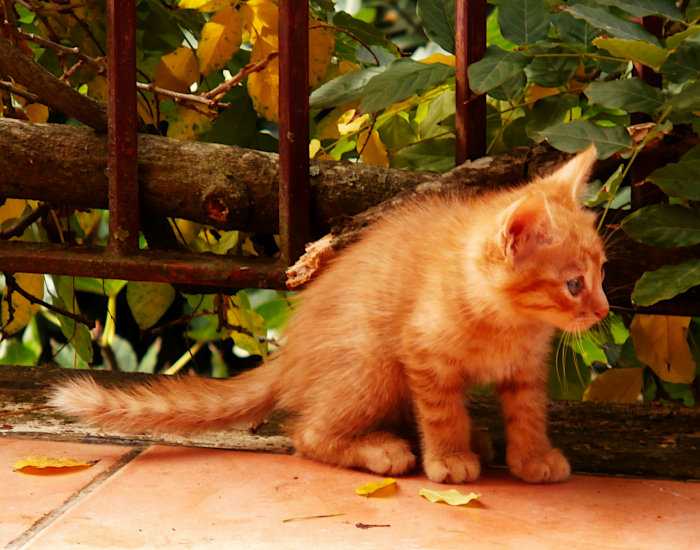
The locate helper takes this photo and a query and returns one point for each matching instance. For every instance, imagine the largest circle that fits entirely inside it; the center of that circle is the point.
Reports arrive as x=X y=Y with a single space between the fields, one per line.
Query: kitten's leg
x=380 y=452
x=530 y=455
x=444 y=424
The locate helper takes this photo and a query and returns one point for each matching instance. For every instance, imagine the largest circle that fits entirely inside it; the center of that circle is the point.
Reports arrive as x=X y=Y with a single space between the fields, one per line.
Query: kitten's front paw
x=550 y=467
x=455 y=468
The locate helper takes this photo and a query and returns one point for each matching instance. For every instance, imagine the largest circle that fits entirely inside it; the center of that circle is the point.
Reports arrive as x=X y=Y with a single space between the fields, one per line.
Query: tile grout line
x=42 y=524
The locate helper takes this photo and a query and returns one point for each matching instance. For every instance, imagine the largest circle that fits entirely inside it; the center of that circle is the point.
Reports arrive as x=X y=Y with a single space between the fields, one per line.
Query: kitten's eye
x=575 y=285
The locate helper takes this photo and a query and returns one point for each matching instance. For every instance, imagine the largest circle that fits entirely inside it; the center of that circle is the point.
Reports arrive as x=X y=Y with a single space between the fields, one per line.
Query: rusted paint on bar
x=470 y=109
x=122 y=124
x=222 y=273
x=294 y=128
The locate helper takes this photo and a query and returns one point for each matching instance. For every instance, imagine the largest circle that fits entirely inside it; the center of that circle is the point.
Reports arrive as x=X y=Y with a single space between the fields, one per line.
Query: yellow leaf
x=177 y=71
x=264 y=85
x=51 y=466
x=662 y=343
x=221 y=38
x=206 y=6
x=36 y=112
x=440 y=58
x=535 y=92
x=23 y=309
x=12 y=209
x=615 y=386
x=451 y=496
x=371 y=148
x=321 y=47
x=376 y=488
x=97 y=88
x=187 y=124
x=260 y=18
x=348 y=123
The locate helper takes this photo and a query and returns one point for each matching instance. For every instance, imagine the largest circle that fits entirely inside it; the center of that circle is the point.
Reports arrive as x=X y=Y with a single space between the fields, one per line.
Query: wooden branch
x=50 y=90
x=226 y=187
x=634 y=440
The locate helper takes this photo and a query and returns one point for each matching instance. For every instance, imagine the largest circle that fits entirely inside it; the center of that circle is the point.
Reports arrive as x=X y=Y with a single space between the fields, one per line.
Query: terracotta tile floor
x=170 y=497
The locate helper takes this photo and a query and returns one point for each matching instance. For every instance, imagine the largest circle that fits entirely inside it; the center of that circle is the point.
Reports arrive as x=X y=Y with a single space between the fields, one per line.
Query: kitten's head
x=551 y=254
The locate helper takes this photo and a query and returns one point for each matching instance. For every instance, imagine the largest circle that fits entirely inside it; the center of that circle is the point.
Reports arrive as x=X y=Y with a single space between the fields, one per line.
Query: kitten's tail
x=181 y=404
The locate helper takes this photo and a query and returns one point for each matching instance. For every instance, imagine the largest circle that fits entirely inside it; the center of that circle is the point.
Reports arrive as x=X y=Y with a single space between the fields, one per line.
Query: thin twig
x=12 y=286
x=239 y=76
x=18 y=228
x=16 y=91
x=60 y=48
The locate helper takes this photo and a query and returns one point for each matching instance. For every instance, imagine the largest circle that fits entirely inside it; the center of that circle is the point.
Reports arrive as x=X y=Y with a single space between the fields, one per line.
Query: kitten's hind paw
x=456 y=468
x=550 y=467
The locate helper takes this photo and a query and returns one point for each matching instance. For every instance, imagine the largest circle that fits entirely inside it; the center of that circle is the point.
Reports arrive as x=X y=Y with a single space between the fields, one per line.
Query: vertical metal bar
x=470 y=109
x=122 y=127
x=294 y=127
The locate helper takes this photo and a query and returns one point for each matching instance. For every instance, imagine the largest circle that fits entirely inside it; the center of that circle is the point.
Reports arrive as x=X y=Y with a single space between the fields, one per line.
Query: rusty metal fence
x=122 y=258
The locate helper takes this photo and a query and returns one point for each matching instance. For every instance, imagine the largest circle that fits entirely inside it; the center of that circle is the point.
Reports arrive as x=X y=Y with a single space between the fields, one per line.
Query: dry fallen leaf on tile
x=376 y=488
x=51 y=466
x=451 y=496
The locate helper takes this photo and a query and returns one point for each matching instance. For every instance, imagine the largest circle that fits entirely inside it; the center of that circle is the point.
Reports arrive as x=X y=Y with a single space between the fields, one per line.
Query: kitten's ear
x=526 y=224
x=573 y=175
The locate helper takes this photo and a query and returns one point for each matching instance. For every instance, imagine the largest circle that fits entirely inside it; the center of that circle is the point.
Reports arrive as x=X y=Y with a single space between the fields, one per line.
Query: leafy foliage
x=383 y=90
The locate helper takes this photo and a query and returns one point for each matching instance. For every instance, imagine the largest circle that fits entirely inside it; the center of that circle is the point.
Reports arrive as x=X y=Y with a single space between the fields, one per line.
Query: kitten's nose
x=602 y=308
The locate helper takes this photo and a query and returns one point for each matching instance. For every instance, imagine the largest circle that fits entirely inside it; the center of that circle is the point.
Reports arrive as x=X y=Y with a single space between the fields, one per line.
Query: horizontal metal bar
x=179 y=268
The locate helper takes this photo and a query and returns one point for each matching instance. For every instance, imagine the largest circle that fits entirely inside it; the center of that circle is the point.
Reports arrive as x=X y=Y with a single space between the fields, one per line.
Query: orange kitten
x=441 y=294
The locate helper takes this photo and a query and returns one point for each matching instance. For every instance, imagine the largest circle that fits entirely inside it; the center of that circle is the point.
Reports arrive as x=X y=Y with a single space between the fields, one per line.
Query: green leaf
x=680 y=179
x=667 y=225
x=344 y=89
x=150 y=358
x=577 y=135
x=246 y=325
x=100 y=287
x=666 y=282
x=551 y=110
x=236 y=125
x=14 y=352
x=440 y=109
x=575 y=31
x=76 y=333
x=675 y=40
x=438 y=19
x=641 y=8
x=638 y=51
x=496 y=67
x=493 y=33
x=683 y=64
x=688 y=97
x=364 y=32
x=453 y=497
x=609 y=189
x=631 y=94
x=612 y=24
x=550 y=69
x=401 y=80
x=523 y=22
x=148 y=301
x=124 y=354
x=435 y=155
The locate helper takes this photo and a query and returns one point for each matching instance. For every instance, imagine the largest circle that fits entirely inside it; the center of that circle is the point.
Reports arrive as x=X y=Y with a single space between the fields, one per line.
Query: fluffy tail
x=182 y=404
